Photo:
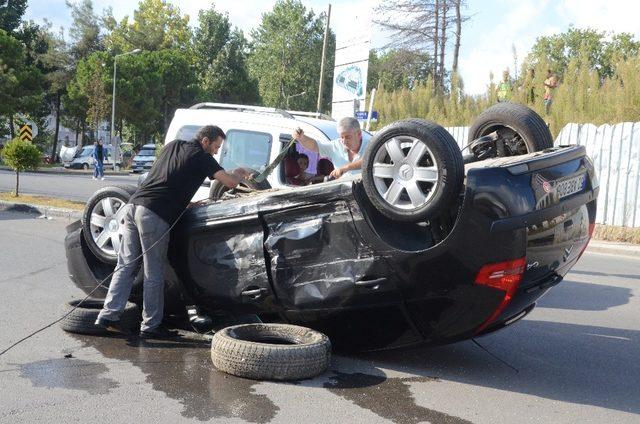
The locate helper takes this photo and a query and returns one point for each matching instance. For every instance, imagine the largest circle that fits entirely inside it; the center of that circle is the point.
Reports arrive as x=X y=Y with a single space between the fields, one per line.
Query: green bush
x=20 y=156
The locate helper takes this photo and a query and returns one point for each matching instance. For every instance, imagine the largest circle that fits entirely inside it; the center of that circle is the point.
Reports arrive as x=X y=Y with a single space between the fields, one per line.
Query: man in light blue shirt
x=345 y=152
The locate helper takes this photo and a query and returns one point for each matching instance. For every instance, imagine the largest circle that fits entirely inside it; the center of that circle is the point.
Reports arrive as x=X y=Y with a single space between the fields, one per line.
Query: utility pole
x=324 y=55
x=116 y=152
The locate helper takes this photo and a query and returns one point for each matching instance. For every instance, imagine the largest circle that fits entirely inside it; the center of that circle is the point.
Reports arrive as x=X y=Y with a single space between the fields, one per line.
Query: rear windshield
x=85 y=152
x=147 y=152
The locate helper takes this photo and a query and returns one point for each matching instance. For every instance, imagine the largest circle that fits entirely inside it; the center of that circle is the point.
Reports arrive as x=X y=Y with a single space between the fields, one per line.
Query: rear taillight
x=503 y=276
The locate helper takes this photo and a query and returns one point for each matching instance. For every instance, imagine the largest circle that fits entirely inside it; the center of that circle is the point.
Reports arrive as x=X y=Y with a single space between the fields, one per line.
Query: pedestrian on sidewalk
x=98 y=160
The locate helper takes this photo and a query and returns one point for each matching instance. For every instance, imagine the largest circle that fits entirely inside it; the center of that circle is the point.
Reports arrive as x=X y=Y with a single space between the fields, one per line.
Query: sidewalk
x=614 y=248
x=44 y=211
x=62 y=171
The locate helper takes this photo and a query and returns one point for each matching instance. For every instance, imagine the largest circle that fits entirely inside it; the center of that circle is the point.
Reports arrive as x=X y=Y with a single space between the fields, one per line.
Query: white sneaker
x=93 y=178
x=102 y=178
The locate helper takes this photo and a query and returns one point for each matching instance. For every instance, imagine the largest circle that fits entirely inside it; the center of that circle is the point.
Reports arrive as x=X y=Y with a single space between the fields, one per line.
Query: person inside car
x=304 y=176
x=345 y=152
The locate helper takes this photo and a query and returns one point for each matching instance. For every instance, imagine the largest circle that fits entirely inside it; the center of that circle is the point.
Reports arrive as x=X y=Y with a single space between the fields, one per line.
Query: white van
x=255 y=136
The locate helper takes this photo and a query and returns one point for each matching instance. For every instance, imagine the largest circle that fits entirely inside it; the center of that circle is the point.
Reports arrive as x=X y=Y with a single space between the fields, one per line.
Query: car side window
x=247 y=149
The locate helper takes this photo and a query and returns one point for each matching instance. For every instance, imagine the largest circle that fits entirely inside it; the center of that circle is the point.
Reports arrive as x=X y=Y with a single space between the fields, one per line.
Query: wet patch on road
x=73 y=374
x=183 y=371
x=389 y=398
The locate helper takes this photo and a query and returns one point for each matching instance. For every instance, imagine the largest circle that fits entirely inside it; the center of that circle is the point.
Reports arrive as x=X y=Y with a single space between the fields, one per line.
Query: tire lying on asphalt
x=412 y=170
x=521 y=128
x=271 y=351
x=82 y=319
x=217 y=189
x=102 y=221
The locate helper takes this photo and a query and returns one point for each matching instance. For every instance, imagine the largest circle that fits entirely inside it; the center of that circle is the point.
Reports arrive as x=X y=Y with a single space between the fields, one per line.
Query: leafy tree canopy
x=601 y=50
x=220 y=55
x=285 y=58
x=156 y=25
x=11 y=12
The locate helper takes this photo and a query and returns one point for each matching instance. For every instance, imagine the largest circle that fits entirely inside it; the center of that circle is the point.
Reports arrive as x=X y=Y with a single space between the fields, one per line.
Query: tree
x=89 y=88
x=395 y=69
x=285 y=57
x=178 y=83
x=20 y=82
x=84 y=31
x=11 y=12
x=156 y=25
x=221 y=60
x=20 y=156
x=424 y=25
x=85 y=40
x=601 y=50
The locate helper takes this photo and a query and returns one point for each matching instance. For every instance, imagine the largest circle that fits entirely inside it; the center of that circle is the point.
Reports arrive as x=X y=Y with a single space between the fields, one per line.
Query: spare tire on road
x=271 y=351
x=520 y=128
x=412 y=170
x=81 y=320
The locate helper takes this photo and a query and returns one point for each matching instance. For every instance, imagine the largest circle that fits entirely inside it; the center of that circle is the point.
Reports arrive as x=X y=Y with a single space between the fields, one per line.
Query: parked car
x=83 y=159
x=144 y=159
x=426 y=246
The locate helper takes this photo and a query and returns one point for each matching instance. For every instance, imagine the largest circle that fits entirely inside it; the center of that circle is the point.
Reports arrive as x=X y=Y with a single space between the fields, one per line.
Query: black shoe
x=159 y=332
x=112 y=326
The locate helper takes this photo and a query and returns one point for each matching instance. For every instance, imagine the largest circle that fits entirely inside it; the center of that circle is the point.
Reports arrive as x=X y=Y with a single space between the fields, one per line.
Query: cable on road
x=100 y=284
x=495 y=356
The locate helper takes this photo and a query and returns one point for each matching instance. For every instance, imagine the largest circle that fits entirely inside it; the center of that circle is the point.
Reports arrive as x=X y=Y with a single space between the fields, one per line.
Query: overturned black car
x=427 y=245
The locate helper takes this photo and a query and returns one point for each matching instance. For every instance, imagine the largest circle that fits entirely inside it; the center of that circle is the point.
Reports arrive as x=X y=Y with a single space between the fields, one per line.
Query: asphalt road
x=576 y=356
x=72 y=186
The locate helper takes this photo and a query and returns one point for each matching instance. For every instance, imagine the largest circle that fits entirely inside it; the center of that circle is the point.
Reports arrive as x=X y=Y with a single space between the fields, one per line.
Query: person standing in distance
x=174 y=178
x=98 y=160
x=345 y=152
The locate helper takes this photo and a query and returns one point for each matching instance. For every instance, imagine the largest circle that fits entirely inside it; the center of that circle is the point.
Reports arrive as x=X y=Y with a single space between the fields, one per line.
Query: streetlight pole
x=113 y=105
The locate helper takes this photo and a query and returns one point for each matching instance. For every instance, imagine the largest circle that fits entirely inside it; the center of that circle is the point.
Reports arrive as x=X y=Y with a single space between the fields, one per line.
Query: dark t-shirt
x=99 y=153
x=174 y=178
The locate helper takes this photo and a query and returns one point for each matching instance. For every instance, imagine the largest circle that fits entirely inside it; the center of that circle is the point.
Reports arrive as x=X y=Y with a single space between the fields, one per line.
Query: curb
x=614 y=248
x=45 y=211
x=64 y=171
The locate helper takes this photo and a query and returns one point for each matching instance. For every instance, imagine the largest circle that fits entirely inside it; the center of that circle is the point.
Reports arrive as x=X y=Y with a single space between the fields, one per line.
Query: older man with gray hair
x=345 y=152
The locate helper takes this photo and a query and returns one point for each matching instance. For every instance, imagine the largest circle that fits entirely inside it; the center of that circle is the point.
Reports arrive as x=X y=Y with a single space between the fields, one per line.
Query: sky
x=487 y=38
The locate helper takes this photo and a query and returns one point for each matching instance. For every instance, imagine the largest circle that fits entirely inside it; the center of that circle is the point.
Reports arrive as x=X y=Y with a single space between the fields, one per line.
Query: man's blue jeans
x=98 y=169
x=143 y=230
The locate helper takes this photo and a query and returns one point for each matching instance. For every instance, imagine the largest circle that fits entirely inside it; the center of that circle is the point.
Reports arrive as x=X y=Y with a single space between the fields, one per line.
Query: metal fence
x=615 y=151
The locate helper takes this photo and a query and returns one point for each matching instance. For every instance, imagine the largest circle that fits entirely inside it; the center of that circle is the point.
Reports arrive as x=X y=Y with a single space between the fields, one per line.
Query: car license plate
x=571 y=186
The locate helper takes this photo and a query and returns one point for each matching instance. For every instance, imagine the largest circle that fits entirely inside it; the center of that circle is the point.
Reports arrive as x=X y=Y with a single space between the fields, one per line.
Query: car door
x=219 y=256
x=317 y=260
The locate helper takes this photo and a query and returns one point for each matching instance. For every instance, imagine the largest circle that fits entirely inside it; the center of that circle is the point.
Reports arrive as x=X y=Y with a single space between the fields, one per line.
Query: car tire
x=82 y=319
x=515 y=122
x=217 y=189
x=95 y=211
x=271 y=351
x=415 y=185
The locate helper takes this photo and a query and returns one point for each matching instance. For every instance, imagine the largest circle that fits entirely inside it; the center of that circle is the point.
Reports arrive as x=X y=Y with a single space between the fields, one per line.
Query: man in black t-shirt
x=175 y=177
